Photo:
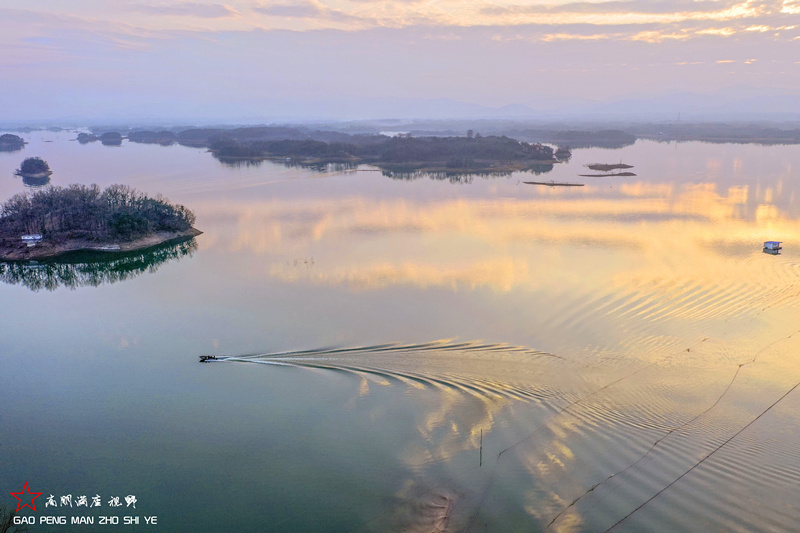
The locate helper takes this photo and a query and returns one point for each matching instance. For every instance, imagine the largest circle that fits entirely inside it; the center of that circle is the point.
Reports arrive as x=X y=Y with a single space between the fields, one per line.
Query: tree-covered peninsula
x=80 y=217
x=469 y=154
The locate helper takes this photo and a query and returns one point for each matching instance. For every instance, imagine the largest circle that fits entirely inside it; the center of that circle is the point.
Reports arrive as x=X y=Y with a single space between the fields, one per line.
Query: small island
x=111 y=138
x=34 y=167
x=609 y=169
x=84 y=138
x=11 y=143
x=56 y=220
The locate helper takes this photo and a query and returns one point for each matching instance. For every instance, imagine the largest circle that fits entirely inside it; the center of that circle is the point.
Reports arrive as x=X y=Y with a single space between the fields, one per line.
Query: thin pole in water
x=480 y=460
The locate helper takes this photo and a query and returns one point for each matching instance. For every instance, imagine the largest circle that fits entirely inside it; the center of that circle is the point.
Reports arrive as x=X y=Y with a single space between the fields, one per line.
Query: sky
x=261 y=60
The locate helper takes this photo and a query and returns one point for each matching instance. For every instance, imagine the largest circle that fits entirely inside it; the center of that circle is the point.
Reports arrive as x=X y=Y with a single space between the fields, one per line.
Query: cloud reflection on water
x=652 y=231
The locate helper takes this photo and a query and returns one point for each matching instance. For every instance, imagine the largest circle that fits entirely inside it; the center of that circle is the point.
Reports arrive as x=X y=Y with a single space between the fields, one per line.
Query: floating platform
x=626 y=174
x=607 y=167
x=554 y=183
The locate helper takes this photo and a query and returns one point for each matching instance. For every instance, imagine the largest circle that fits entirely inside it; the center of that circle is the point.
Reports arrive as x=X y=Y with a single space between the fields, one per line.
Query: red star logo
x=29 y=500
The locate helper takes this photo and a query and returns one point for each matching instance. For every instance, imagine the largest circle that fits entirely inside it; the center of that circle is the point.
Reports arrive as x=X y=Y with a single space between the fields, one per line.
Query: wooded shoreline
x=17 y=250
x=52 y=221
x=464 y=155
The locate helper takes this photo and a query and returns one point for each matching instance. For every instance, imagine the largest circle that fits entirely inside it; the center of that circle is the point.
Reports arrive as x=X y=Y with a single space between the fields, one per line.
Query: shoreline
x=501 y=168
x=488 y=167
x=48 y=250
x=34 y=175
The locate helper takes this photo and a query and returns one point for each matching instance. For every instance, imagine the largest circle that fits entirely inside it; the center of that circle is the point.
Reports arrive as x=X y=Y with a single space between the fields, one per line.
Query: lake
x=420 y=354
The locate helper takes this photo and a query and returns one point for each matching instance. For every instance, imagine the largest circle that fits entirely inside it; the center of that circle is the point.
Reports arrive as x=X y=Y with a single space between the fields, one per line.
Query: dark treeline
x=11 y=143
x=80 y=211
x=81 y=269
x=111 y=138
x=34 y=165
x=206 y=136
x=584 y=134
x=462 y=149
x=307 y=146
x=579 y=139
x=229 y=148
x=445 y=152
x=718 y=132
x=435 y=152
x=84 y=138
x=153 y=137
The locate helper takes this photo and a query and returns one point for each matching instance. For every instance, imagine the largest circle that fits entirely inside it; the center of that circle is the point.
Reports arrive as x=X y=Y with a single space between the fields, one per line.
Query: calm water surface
x=623 y=352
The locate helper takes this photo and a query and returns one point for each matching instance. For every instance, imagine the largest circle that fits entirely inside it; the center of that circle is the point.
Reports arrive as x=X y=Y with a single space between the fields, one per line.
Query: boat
x=108 y=248
x=207 y=358
x=772 y=247
x=554 y=183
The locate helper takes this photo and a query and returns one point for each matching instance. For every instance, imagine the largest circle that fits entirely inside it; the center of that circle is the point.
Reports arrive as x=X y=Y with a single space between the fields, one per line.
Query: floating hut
x=772 y=247
x=31 y=240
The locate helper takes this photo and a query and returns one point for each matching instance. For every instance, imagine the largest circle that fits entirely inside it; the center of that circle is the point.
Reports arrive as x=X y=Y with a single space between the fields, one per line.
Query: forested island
x=471 y=154
x=109 y=138
x=11 y=143
x=57 y=220
x=575 y=134
x=34 y=167
x=468 y=154
x=84 y=138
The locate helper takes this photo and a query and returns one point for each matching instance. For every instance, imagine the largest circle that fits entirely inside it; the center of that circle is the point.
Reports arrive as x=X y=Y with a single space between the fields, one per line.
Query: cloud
x=635 y=14
x=298 y=71
x=724 y=32
x=658 y=36
x=300 y=10
x=615 y=7
x=186 y=9
x=666 y=17
x=308 y=10
x=791 y=7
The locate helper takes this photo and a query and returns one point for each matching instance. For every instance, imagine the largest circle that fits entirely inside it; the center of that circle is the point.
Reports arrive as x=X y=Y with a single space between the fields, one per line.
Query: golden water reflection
x=662 y=274
x=654 y=251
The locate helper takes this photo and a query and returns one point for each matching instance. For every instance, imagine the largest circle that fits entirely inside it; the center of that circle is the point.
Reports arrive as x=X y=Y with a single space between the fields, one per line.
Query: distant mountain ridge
x=737 y=103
